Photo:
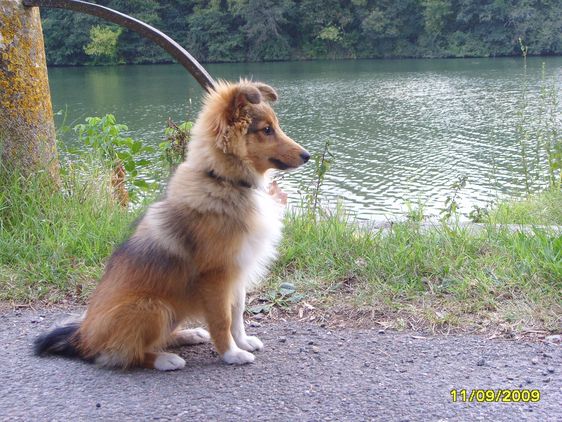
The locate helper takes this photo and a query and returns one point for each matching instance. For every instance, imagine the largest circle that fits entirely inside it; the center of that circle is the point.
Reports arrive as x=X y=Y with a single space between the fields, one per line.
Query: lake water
x=402 y=131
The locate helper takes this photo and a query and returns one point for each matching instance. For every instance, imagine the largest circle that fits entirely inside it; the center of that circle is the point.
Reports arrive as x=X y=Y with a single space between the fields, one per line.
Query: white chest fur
x=259 y=249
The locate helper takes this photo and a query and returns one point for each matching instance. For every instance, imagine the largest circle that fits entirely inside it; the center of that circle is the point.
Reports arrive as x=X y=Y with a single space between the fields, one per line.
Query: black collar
x=240 y=183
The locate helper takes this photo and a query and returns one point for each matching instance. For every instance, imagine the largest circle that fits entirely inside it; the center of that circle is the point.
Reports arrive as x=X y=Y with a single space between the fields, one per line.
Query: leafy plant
x=415 y=213
x=479 y=214
x=283 y=297
x=174 y=148
x=540 y=131
x=548 y=135
x=124 y=155
x=322 y=164
x=451 y=204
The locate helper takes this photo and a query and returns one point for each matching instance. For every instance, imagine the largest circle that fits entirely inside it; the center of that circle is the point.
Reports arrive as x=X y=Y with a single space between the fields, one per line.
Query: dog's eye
x=268 y=130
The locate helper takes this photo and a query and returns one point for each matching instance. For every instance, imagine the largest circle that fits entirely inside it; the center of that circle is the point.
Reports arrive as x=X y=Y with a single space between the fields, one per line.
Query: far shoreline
x=297 y=60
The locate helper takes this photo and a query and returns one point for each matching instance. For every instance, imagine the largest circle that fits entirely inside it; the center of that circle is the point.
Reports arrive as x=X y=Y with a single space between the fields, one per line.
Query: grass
x=439 y=279
x=53 y=242
x=53 y=245
x=544 y=208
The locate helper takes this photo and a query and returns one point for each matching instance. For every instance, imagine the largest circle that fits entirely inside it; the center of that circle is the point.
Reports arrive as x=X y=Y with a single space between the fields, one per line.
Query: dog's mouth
x=280 y=164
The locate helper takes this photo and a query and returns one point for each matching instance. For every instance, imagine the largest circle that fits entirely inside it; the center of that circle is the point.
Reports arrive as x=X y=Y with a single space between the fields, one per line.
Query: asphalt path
x=306 y=373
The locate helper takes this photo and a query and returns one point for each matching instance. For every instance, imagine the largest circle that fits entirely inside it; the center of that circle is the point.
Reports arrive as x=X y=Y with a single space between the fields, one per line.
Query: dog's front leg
x=249 y=343
x=217 y=302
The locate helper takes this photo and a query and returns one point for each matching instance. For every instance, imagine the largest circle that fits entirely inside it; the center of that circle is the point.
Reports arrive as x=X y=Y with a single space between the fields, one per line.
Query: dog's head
x=246 y=126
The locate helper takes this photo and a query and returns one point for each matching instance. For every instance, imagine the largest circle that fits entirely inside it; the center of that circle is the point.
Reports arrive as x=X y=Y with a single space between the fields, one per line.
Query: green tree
x=332 y=36
x=314 y=19
x=263 y=20
x=238 y=30
x=389 y=28
x=103 y=44
x=66 y=33
x=214 y=36
x=436 y=15
x=132 y=47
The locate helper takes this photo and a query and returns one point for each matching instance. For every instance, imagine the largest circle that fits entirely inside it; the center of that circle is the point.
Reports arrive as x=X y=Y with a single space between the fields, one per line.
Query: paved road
x=306 y=373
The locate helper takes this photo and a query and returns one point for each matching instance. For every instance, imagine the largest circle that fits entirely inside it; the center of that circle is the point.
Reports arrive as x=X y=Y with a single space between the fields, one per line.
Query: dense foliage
x=255 y=30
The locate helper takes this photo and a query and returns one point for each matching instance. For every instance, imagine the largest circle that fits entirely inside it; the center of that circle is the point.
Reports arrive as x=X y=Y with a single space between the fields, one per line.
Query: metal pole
x=147 y=31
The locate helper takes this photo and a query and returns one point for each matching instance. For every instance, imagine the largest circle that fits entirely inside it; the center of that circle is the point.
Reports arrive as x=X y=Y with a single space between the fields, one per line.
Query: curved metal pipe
x=147 y=31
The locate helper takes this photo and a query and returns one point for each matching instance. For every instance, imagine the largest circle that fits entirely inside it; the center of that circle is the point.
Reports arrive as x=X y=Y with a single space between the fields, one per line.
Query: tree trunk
x=27 y=131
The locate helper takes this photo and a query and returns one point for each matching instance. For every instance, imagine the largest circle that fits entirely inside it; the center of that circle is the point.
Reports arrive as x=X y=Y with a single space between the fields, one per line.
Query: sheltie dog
x=194 y=253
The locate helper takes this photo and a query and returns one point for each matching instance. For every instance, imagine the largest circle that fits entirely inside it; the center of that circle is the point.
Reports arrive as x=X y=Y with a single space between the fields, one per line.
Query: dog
x=193 y=254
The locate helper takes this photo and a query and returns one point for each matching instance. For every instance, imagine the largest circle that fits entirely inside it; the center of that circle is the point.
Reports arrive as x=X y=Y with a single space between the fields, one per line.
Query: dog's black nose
x=305 y=156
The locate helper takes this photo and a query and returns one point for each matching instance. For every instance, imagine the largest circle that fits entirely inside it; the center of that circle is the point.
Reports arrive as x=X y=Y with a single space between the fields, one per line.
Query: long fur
x=194 y=253
x=61 y=341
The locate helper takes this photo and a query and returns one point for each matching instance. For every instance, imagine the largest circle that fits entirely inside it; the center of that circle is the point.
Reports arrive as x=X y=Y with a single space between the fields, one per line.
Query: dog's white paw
x=192 y=336
x=250 y=343
x=168 y=362
x=238 y=357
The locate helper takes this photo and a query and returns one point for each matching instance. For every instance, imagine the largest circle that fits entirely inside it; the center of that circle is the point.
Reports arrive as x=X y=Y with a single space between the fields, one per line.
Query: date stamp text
x=495 y=396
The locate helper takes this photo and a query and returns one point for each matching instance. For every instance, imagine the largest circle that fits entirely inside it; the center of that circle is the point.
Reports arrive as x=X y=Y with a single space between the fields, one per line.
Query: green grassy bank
x=442 y=278
x=53 y=245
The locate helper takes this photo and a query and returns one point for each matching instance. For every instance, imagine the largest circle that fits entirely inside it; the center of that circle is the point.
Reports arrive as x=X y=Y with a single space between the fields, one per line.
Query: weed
x=131 y=161
x=282 y=297
x=415 y=213
x=174 y=148
x=451 y=204
x=322 y=164
x=540 y=145
x=479 y=214
x=124 y=155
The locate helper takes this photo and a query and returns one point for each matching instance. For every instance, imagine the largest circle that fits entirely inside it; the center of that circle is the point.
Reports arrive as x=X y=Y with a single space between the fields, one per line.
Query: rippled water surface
x=402 y=131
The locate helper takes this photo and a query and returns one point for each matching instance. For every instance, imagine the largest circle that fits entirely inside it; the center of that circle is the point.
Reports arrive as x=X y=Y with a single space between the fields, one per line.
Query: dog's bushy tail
x=61 y=340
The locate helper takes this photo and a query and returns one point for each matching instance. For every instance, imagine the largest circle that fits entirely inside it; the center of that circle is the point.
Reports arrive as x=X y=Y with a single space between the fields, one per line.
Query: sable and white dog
x=194 y=253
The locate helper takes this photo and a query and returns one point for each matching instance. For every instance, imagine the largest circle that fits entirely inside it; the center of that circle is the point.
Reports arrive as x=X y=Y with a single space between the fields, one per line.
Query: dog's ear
x=234 y=121
x=246 y=94
x=268 y=92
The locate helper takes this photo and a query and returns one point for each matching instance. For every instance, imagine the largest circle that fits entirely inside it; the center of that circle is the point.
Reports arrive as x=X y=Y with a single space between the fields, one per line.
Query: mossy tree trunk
x=27 y=132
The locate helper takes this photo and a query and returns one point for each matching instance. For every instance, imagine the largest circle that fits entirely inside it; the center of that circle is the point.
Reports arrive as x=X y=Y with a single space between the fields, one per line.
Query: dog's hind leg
x=131 y=348
x=162 y=361
x=190 y=336
x=129 y=333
